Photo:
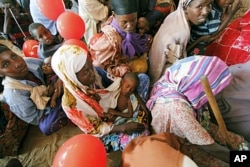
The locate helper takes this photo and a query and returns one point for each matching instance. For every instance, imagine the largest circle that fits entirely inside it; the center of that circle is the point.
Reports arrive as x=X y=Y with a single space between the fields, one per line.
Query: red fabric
x=233 y=44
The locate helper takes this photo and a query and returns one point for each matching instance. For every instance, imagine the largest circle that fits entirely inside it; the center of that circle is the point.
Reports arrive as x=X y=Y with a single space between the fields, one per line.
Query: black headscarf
x=123 y=7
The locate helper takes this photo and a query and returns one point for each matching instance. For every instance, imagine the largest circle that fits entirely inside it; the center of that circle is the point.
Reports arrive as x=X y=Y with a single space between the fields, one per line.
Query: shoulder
x=33 y=61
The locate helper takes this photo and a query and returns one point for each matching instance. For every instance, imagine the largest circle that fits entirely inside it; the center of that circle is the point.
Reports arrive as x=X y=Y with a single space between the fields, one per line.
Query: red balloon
x=51 y=8
x=76 y=42
x=81 y=150
x=30 y=48
x=70 y=25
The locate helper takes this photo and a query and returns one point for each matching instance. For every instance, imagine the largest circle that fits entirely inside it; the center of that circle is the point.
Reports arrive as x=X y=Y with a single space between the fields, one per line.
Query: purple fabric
x=132 y=43
x=54 y=120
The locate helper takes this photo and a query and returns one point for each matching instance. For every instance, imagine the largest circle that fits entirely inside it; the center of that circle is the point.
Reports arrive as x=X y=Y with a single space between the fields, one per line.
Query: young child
x=51 y=78
x=151 y=21
x=124 y=100
x=219 y=17
x=48 y=43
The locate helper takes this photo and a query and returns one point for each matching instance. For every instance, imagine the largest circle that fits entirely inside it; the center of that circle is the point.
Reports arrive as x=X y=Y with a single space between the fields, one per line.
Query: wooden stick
x=215 y=109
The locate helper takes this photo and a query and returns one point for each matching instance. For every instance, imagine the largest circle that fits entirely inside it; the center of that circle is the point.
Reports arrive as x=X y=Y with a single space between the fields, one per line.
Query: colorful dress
x=77 y=101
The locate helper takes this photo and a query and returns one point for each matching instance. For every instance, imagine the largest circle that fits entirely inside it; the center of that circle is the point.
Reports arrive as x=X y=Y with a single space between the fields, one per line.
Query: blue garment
x=19 y=100
x=49 y=119
x=38 y=17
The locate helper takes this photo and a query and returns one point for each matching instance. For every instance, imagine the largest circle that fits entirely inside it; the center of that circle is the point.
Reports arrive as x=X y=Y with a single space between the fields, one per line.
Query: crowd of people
x=137 y=83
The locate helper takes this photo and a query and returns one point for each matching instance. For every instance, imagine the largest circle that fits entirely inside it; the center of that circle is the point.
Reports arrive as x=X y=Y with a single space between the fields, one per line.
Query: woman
x=234 y=101
x=23 y=81
x=169 y=44
x=221 y=14
x=81 y=98
x=92 y=12
x=119 y=48
x=178 y=95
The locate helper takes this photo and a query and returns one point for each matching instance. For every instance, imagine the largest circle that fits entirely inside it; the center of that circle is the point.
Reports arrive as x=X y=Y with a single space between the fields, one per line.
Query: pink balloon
x=51 y=8
x=30 y=48
x=76 y=42
x=81 y=150
x=70 y=25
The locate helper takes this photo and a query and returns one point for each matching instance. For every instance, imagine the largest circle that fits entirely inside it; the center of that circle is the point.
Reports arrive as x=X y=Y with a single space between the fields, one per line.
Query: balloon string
x=17 y=22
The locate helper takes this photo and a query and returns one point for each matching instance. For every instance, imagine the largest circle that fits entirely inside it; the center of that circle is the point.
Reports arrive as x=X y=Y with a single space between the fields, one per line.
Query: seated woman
x=81 y=98
x=178 y=95
x=169 y=44
x=25 y=93
x=119 y=48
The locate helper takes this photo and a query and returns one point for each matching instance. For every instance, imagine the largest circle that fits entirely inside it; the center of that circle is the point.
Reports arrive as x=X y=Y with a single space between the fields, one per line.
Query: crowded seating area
x=118 y=83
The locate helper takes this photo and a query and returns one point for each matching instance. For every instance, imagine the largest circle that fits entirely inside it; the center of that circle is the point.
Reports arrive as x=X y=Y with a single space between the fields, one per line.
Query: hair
x=3 y=48
x=34 y=26
x=14 y=162
x=131 y=75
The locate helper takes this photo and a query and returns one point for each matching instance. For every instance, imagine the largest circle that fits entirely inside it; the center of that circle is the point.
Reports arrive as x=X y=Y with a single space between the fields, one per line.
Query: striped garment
x=182 y=80
x=211 y=25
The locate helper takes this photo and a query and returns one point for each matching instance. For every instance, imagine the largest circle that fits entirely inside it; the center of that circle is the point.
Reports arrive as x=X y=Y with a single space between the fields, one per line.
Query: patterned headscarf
x=84 y=111
x=182 y=80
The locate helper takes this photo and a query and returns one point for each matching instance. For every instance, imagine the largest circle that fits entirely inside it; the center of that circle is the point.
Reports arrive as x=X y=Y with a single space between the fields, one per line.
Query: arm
x=230 y=11
x=22 y=106
x=205 y=38
x=144 y=108
x=129 y=114
x=217 y=150
x=7 y=20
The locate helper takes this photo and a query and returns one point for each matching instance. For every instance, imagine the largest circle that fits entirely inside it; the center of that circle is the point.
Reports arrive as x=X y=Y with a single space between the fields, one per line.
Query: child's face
x=142 y=25
x=128 y=86
x=224 y=3
x=43 y=35
x=47 y=69
x=12 y=65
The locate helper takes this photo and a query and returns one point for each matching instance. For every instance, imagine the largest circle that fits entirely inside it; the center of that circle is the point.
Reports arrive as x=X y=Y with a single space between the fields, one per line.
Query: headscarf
x=132 y=43
x=182 y=80
x=170 y=41
x=84 y=111
x=121 y=7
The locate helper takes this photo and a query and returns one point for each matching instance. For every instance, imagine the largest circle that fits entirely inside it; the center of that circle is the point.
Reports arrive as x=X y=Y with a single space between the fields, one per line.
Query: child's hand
x=237 y=4
x=52 y=104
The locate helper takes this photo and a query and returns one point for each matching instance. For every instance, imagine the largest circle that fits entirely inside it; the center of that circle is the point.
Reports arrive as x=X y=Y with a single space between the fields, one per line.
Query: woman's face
x=127 y=22
x=198 y=10
x=13 y=65
x=86 y=75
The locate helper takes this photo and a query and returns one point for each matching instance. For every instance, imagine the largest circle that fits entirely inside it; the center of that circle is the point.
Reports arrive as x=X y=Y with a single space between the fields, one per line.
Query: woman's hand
x=149 y=42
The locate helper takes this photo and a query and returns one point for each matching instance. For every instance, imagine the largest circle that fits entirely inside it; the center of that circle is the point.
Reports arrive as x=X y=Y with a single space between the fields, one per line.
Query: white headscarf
x=84 y=111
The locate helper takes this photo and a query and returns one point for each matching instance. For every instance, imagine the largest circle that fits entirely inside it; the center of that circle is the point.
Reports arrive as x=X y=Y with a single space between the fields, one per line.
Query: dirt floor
x=38 y=150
